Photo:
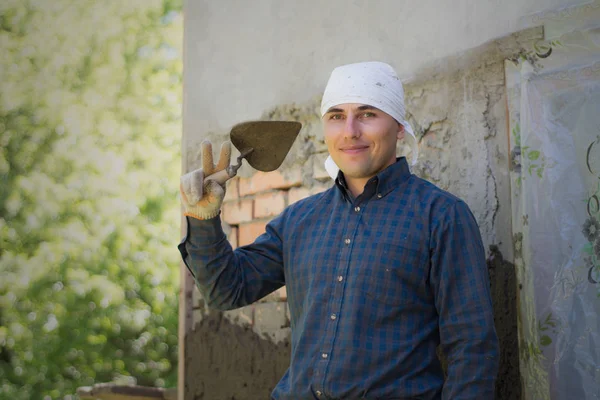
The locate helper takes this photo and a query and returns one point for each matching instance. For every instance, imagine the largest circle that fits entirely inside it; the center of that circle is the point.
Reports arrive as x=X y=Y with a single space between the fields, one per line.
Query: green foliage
x=550 y=324
x=89 y=164
x=533 y=155
x=533 y=162
x=516 y=131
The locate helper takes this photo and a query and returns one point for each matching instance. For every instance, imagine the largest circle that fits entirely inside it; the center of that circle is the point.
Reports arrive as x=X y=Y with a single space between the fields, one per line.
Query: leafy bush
x=90 y=123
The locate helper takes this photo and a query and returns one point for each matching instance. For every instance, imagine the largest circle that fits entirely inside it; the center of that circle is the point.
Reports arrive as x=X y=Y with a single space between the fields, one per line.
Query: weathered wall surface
x=229 y=361
x=242 y=65
x=242 y=59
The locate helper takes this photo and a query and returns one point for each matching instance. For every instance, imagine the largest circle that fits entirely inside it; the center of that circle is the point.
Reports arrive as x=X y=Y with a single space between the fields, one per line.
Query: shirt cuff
x=201 y=233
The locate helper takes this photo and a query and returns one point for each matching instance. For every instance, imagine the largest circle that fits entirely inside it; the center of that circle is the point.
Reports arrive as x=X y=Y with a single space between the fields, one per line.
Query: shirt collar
x=381 y=184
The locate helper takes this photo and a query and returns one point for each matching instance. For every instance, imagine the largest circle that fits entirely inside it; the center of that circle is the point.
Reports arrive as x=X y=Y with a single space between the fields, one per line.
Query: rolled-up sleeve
x=461 y=288
x=230 y=278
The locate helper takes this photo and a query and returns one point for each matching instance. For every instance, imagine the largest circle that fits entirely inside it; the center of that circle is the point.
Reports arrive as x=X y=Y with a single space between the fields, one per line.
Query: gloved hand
x=202 y=198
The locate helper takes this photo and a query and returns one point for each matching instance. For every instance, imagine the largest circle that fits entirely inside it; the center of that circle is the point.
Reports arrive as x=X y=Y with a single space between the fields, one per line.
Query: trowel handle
x=220 y=177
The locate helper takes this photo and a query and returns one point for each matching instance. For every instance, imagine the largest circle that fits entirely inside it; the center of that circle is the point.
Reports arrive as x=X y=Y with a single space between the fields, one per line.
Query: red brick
x=235 y=212
x=269 y=204
x=248 y=232
x=263 y=181
x=233 y=188
x=282 y=292
x=233 y=237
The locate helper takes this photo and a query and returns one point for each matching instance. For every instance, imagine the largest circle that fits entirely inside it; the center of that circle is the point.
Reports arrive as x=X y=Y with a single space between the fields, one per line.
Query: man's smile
x=354 y=149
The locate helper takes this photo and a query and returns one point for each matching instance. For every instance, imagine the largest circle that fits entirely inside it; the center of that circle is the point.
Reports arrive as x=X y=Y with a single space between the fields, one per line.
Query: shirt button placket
x=333 y=316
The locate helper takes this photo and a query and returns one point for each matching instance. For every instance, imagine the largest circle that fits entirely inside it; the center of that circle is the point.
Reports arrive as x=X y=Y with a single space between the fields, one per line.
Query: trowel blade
x=270 y=140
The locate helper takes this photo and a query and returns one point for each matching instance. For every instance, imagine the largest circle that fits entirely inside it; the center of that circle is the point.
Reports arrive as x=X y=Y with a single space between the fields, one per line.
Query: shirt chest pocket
x=395 y=273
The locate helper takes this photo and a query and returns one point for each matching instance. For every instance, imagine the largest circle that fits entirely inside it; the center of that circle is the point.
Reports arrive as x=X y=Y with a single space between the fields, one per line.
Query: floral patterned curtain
x=553 y=95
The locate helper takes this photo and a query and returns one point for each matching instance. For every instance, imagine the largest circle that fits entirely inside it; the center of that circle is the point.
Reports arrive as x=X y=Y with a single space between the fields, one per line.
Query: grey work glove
x=201 y=197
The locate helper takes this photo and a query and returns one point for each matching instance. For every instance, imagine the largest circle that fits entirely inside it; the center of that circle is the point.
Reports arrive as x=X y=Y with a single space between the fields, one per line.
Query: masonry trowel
x=264 y=145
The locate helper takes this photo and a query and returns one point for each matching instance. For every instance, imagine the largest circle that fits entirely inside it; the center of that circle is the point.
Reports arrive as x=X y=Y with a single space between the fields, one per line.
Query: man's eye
x=336 y=116
x=368 y=114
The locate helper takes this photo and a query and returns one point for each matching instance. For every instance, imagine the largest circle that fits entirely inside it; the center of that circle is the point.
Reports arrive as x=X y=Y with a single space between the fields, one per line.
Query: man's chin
x=354 y=170
x=354 y=173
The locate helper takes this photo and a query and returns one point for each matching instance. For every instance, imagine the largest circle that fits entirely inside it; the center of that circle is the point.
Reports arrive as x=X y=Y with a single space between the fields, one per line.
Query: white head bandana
x=372 y=83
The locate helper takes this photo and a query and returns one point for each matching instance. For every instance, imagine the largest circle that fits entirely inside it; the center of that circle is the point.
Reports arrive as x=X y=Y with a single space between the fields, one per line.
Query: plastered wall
x=242 y=58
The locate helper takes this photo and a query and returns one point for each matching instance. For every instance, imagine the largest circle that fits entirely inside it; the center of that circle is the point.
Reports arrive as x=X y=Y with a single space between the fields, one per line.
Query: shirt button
x=340 y=278
x=357 y=209
x=333 y=316
x=324 y=355
x=379 y=195
x=318 y=393
x=347 y=241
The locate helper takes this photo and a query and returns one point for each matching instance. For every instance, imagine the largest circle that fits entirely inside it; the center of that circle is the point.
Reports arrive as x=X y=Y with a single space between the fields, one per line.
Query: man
x=380 y=269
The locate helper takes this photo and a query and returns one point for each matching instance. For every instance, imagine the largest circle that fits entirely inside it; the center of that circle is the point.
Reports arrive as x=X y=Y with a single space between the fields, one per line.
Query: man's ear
x=401 y=132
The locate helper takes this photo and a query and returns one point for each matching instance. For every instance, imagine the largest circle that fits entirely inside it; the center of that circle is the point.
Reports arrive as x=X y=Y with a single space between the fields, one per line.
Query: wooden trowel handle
x=220 y=177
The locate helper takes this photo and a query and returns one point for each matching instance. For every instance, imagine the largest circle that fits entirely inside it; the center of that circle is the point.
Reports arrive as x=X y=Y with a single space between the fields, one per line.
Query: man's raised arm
x=228 y=279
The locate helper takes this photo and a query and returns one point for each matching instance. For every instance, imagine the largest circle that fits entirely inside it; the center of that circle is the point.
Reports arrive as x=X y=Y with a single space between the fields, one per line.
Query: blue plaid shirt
x=374 y=285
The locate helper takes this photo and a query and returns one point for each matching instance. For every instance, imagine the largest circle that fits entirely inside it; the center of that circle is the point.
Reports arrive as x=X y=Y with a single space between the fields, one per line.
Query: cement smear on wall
x=504 y=297
x=228 y=361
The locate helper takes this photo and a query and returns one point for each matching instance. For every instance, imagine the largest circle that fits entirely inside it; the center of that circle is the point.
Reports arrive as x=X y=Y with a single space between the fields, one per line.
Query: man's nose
x=351 y=129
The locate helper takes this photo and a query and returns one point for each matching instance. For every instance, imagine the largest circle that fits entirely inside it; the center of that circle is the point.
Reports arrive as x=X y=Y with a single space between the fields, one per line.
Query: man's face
x=361 y=139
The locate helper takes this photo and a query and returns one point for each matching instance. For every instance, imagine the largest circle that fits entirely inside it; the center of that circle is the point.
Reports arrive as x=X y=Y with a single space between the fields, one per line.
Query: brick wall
x=249 y=204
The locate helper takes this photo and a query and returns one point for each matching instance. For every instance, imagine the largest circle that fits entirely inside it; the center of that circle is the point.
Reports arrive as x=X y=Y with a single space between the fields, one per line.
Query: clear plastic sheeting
x=554 y=119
